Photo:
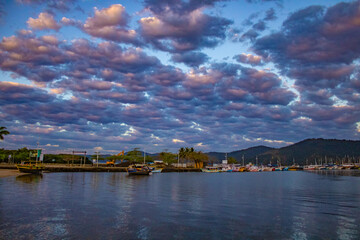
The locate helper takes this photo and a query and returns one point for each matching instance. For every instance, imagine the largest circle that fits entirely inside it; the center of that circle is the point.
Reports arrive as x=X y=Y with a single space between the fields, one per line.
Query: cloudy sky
x=163 y=74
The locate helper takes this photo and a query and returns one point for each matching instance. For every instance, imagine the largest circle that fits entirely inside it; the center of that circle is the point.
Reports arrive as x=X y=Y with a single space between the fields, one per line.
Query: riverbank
x=67 y=168
x=92 y=168
x=10 y=173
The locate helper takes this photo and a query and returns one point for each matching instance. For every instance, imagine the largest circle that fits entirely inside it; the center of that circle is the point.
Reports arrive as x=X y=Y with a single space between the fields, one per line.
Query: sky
x=158 y=75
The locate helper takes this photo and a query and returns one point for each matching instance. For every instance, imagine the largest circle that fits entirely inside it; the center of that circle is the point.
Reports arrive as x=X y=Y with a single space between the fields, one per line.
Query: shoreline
x=8 y=170
x=90 y=168
x=10 y=173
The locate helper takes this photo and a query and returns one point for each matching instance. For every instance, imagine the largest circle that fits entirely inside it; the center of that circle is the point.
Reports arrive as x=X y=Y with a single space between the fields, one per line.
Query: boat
x=252 y=168
x=211 y=169
x=295 y=168
x=242 y=169
x=238 y=168
x=30 y=167
x=310 y=167
x=348 y=166
x=226 y=168
x=156 y=170
x=139 y=169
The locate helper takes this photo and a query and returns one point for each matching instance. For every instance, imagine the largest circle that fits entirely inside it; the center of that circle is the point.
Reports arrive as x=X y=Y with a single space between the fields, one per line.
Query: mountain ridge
x=305 y=151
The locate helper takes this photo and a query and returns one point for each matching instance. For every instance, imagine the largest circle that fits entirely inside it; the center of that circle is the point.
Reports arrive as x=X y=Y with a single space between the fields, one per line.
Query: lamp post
x=97 y=159
x=178 y=159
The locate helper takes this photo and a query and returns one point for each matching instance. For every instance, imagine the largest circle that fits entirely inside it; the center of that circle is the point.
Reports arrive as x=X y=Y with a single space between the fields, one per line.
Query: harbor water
x=267 y=205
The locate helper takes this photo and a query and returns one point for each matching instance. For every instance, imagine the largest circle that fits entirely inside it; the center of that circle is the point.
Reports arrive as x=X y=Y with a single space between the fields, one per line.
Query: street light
x=97 y=159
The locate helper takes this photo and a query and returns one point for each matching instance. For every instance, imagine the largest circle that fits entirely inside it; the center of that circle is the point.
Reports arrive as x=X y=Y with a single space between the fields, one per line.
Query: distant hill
x=306 y=151
x=318 y=149
x=249 y=154
x=309 y=150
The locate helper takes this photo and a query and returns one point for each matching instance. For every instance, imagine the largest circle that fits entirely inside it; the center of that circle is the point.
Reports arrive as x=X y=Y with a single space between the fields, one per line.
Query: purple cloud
x=85 y=90
x=319 y=49
x=191 y=59
x=179 y=27
x=15 y=93
x=32 y=57
x=166 y=76
x=314 y=36
x=111 y=24
x=257 y=87
x=253 y=60
x=61 y=5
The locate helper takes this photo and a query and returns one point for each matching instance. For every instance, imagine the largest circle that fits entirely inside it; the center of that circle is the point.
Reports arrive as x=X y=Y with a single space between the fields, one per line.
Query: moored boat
x=139 y=169
x=211 y=169
x=156 y=170
x=310 y=167
x=30 y=167
x=295 y=168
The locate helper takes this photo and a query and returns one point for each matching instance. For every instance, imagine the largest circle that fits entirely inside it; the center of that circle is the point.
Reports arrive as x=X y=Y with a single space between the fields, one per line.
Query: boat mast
x=144 y=156
x=37 y=154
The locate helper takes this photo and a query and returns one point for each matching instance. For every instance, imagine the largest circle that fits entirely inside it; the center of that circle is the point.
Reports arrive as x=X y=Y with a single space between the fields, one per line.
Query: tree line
x=185 y=155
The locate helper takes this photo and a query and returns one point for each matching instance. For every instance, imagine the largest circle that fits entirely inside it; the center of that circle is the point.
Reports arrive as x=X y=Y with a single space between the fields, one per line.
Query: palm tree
x=181 y=153
x=199 y=158
x=3 y=132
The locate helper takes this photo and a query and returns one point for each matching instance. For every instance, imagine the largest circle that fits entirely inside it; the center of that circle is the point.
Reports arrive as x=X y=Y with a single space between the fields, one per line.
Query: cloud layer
x=107 y=86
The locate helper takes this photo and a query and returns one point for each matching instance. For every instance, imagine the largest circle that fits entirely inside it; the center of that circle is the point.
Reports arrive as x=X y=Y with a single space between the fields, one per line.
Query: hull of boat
x=210 y=171
x=295 y=169
x=309 y=169
x=139 y=169
x=30 y=169
x=139 y=172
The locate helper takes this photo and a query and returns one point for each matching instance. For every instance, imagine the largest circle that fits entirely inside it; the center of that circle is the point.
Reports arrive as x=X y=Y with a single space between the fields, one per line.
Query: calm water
x=268 y=205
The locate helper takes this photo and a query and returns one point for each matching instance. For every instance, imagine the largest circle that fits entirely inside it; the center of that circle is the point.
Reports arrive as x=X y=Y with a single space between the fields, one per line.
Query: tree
x=167 y=157
x=182 y=153
x=110 y=158
x=3 y=132
x=185 y=153
x=198 y=157
x=136 y=156
x=232 y=160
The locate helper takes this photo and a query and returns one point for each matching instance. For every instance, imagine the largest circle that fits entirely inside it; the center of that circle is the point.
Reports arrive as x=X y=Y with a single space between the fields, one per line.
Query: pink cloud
x=175 y=30
x=109 y=23
x=43 y=22
x=111 y=16
x=249 y=59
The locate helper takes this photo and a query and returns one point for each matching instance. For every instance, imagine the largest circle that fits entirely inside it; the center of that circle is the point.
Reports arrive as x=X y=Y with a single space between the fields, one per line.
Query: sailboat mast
x=144 y=156
x=37 y=154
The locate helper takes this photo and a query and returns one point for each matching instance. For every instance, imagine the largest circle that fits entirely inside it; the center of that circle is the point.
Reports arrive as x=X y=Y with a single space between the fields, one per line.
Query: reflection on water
x=348 y=172
x=29 y=178
x=269 y=205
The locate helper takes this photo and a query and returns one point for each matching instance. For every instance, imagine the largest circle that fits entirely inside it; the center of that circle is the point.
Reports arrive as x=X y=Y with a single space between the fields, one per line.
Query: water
x=268 y=205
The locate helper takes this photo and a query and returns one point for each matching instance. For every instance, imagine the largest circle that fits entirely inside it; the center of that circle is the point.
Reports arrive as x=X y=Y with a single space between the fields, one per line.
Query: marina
x=27 y=167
